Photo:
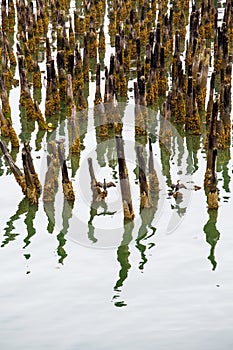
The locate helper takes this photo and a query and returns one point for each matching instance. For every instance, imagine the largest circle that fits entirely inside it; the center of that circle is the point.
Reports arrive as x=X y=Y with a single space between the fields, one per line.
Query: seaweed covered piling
x=19 y=176
x=144 y=188
x=31 y=168
x=7 y=131
x=210 y=181
x=66 y=183
x=152 y=177
x=28 y=180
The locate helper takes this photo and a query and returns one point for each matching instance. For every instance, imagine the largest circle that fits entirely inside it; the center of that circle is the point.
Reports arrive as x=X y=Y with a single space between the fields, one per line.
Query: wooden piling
x=7 y=130
x=210 y=181
x=19 y=176
x=124 y=180
x=31 y=190
x=153 y=177
x=66 y=183
x=144 y=188
x=31 y=168
x=51 y=182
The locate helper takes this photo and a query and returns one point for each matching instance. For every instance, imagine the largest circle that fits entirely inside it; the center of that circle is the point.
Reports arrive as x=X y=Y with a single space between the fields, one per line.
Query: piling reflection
x=149 y=189
x=193 y=146
x=1 y=167
x=212 y=235
x=165 y=156
x=30 y=216
x=224 y=157
x=30 y=210
x=123 y=254
x=66 y=216
x=49 y=209
x=21 y=210
x=146 y=231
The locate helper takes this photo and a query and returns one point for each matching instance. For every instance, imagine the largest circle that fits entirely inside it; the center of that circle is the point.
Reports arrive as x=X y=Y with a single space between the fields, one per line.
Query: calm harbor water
x=134 y=291
x=72 y=277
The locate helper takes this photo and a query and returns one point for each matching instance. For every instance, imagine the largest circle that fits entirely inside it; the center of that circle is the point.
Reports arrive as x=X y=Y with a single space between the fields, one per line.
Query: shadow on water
x=212 y=235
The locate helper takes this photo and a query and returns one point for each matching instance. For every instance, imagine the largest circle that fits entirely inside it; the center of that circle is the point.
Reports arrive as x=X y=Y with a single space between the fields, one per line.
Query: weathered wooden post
x=153 y=177
x=7 y=130
x=124 y=180
x=34 y=175
x=75 y=132
x=19 y=176
x=210 y=181
x=144 y=188
x=31 y=191
x=66 y=183
x=98 y=97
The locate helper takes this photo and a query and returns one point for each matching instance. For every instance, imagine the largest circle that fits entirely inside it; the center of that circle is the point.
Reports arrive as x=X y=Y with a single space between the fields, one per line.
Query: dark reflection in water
x=49 y=209
x=1 y=167
x=94 y=212
x=66 y=216
x=212 y=234
x=123 y=258
x=30 y=210
x=91 y=227
x=39 y=139
x=193 y=146
x=177 y=206
x=147 y=216
x=22 y=209
x=30 y=216
x=180 y=143
x=223 y=159
x=165 y=156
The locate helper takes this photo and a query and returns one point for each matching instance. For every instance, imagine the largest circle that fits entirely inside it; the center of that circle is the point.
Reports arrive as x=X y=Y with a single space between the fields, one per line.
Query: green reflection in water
x=223 y=159
x=165 y=156
x=75 y=162
x=1 y=167
x=101 y=149
x=9 y=236
x=27 y=126
x=147 y=216
x=30 y=216
x=180 y=144
x=193 y=146
x=95 y=206
x=66 y=215
x=49 y=209
x=212 y=234
x=93 y=212
x=123 y=254
x=39 y=139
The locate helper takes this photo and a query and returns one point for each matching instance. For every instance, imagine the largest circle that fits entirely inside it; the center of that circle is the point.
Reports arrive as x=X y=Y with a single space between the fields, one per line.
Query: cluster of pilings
x=29 y=180
x=168 y=49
